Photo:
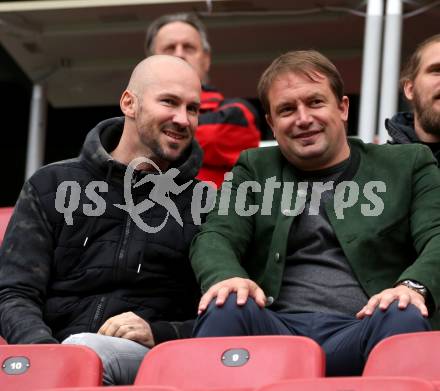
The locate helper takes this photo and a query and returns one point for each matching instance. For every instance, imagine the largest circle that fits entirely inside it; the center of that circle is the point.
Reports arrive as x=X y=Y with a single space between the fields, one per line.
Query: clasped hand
x=130 y=326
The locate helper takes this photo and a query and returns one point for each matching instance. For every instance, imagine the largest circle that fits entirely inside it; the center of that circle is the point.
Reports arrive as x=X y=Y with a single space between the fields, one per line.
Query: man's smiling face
x=307 y=120
x=167 y=113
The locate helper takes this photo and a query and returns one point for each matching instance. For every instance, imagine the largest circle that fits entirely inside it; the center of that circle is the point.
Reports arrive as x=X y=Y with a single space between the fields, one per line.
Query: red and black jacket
x=226 y=127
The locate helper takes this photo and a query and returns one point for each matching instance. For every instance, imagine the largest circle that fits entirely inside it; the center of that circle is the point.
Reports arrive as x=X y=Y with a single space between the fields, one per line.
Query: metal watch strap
x=415 y=286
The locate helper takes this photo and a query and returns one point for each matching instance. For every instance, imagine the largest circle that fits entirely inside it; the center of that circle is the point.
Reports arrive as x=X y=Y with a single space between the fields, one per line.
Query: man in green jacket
x=321 y=236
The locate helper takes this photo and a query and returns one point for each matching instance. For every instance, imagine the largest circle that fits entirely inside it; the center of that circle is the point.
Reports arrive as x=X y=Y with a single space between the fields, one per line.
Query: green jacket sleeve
x=425 y=225
x=217 y=250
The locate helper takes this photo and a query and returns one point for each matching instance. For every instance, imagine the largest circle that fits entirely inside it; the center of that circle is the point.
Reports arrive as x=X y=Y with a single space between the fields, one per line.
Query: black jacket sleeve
x=165 y=331
x=25 y=263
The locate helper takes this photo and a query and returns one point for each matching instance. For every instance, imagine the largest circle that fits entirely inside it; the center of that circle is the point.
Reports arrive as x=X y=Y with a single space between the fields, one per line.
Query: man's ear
x=343 y=107
x=128 y=104
x=408 y=89
x=270 y=122
x=206 y=63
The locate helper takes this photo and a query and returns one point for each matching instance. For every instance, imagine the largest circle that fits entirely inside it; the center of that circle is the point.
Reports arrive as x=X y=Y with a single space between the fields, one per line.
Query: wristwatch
x=415 y=286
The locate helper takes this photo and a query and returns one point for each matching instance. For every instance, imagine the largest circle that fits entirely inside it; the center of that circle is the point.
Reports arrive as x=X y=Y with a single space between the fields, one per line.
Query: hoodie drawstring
x=107 y=179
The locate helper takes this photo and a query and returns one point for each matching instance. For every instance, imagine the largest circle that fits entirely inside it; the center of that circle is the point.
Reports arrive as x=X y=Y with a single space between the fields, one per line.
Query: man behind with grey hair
x=190 y=41
x=226 y=127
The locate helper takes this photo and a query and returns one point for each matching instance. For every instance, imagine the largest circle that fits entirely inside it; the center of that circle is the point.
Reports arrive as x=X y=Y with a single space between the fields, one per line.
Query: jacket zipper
x=98 y=314
x=125 y=238
x=122 y=251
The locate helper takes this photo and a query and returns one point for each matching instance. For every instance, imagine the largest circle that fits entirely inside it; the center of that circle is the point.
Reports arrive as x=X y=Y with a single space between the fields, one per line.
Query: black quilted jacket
x=58 y=279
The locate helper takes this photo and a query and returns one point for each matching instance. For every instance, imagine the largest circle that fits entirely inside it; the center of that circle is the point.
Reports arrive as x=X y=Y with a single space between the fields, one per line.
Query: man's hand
x=130 y=326
x=403 y=294
x=242 y=286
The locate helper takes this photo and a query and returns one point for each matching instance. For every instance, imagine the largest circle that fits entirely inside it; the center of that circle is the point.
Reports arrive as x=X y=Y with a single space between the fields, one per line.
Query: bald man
x=83 y=260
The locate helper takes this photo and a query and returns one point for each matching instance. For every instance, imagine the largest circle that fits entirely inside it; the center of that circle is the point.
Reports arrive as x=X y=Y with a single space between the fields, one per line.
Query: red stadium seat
x=231 y=362
x=2 y=341
x=114 y=388
x=32 y=367
x=352 y=384
x=413 y=354
x=5 y=215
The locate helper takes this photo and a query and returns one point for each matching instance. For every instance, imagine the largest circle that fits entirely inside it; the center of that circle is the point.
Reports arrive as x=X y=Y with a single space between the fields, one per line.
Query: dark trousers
x=346 y=340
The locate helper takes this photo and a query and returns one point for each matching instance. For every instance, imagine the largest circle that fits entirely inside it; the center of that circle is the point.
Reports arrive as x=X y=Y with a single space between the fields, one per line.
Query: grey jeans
x=120 y=357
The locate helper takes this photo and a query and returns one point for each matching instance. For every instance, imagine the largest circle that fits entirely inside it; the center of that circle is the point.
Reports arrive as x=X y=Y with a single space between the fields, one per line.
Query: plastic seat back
x=114 y=388
x=352 y=384
x=233 y=362
x=413 y=354
x=31 y=367
x=5 y=216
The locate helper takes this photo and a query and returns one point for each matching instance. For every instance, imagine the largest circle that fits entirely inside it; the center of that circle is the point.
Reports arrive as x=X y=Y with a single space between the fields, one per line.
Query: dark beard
x=160 y=153
x=429 y=118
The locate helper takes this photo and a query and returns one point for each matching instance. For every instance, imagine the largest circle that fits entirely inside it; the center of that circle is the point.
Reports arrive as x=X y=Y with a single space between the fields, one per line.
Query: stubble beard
x=428 y=116
x=160 y=153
